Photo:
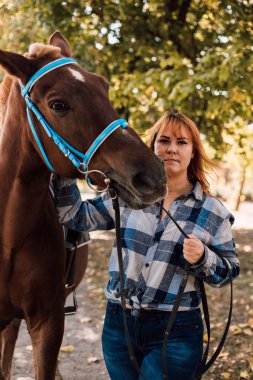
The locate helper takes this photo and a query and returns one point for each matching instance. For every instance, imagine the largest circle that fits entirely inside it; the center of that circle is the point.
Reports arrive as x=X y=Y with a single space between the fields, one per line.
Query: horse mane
x=36 y=50
x=5 y=89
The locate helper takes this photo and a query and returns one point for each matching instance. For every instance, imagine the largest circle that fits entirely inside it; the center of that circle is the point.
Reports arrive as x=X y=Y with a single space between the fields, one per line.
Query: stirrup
x=71 y=305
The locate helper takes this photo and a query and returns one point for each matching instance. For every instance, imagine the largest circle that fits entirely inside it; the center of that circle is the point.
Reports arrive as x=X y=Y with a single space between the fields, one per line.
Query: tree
x=191 y=55
x=240 y=156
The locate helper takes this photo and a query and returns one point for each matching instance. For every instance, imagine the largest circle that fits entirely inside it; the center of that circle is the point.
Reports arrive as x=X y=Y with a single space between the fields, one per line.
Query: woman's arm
x=211 y=269
x=90 y=215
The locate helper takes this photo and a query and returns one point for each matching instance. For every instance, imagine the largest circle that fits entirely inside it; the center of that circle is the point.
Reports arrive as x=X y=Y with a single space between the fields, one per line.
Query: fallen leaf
x=235 y=330
x=93 y=359
x=244 y=375
x=68 y=349
x=225 y=375
x=250 y=322
x=248 y=332
x=243 y=325
x=251 y=362
x=86 y=320
x=224 y=354
x=206 y=338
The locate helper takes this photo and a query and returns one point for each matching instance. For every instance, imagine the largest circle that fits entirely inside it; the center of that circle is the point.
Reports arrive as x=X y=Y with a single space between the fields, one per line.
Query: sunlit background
x=193 y=56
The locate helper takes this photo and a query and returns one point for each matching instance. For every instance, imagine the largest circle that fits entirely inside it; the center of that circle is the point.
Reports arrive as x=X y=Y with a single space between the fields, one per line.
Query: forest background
x=193 y=56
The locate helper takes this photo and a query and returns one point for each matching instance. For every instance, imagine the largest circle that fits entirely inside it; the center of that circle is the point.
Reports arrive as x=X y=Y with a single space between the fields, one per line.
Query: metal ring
x=84 y=166
x=90 y=186
x=112 y=198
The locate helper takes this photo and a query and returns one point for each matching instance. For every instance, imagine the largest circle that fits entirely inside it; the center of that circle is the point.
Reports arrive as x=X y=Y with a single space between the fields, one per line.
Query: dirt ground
x=81 y=357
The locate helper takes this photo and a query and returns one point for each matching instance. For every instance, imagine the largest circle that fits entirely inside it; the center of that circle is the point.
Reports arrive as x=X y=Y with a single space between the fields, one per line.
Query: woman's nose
x=171 y=149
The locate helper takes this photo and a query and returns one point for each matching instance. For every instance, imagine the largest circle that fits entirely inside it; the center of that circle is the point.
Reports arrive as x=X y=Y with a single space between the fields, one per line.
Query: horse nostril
x=145 y=184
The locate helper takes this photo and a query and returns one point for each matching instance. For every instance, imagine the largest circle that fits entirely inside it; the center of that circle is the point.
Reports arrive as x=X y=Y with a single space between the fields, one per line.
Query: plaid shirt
x=153 y=247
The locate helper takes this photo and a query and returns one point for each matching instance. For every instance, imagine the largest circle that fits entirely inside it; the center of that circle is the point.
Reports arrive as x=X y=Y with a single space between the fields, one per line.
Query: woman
x=154 y=254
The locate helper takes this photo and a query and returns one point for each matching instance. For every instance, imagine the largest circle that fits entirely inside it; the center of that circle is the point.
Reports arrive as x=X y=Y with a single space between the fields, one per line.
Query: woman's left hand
x=193 y=249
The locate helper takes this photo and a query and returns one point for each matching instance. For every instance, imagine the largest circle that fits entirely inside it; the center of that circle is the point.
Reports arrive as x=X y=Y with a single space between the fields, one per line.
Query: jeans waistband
x=146 y=313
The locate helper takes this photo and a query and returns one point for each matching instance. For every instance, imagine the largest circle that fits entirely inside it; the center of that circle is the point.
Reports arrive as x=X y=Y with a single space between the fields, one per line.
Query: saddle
x=74 y=240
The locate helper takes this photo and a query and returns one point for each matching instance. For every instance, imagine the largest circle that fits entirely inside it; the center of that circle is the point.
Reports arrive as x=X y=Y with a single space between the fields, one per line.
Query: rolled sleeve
x=90 y=215
x=212 y=269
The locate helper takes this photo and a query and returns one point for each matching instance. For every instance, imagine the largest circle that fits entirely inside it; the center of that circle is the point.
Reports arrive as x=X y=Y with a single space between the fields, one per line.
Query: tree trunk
x=239 y=197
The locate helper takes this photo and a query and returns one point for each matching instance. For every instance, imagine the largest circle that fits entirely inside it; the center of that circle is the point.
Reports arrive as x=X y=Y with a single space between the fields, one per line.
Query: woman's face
x=175 y=148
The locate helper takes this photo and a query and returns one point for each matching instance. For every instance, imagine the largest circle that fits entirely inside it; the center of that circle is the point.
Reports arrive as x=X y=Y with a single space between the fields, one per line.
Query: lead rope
x=176 y=303
x=123 y=290
x=203 y=367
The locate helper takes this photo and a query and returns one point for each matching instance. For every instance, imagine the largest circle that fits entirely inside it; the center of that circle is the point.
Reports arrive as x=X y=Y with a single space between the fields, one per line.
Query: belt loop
x=136 y=313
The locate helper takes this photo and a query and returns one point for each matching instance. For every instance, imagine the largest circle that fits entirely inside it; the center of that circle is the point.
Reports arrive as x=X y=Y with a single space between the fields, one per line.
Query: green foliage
x=191 y=55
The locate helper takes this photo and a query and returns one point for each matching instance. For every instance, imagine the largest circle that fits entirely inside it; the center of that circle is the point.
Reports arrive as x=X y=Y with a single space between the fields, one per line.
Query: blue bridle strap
x=103 y=136
x=38 y=140
x=44 y=70
x=69 y=151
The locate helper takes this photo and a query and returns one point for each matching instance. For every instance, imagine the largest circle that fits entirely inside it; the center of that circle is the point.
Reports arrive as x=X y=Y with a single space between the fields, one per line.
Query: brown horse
x=32 y=256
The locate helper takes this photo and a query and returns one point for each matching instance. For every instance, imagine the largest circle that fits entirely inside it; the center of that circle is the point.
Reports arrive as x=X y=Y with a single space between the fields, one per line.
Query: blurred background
x=194 y=56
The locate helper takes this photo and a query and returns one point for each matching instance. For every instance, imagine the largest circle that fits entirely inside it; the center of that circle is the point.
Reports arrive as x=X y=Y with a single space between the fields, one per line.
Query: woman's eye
x=180 y=142
x=59 y=106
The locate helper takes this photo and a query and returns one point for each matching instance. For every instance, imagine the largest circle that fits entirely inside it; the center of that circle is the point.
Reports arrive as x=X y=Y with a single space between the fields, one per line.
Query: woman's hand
x=193 y=249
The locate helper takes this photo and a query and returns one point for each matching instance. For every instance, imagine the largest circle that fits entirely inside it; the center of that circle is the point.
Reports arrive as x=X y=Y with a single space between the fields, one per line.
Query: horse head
x=75 y=104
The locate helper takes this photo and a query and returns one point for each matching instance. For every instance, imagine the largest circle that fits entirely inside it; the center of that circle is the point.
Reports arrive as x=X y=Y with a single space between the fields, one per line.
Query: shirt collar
x=197 y=191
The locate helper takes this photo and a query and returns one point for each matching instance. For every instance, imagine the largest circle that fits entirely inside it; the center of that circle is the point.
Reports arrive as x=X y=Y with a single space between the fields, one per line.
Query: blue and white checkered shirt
x=152 y=246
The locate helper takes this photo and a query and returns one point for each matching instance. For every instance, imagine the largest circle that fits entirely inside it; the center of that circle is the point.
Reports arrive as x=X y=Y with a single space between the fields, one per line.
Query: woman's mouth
x=170 y=160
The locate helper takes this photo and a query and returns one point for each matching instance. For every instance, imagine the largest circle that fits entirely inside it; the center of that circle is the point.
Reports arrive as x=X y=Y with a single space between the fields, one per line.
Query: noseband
x=68 y=150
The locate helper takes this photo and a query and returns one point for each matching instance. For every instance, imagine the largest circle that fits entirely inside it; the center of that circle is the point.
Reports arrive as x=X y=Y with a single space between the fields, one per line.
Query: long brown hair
x=200 y=159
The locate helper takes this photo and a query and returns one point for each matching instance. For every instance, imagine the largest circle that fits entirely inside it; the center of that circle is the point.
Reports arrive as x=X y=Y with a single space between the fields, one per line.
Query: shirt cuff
x=206 y=263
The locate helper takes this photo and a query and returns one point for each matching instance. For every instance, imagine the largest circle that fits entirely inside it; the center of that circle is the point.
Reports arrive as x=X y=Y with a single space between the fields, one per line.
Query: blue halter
x=71 y=153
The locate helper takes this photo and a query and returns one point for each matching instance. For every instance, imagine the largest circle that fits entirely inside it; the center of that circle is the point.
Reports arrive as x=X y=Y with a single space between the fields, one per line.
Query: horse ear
x=58 y=40
x=16 y=64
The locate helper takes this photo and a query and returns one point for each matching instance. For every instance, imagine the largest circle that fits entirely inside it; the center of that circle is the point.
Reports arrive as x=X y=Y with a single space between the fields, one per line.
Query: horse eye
x=59 y=106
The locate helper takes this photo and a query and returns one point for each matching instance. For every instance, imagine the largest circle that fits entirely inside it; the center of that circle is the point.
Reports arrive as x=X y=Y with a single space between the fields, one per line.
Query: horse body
x=32 y=253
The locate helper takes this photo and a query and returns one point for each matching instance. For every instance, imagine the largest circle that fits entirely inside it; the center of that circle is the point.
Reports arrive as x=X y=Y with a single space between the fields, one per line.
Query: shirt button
x=147 y=265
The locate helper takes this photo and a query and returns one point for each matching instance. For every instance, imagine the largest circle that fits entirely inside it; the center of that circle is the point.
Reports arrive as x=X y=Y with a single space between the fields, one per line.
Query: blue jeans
x=184 y=349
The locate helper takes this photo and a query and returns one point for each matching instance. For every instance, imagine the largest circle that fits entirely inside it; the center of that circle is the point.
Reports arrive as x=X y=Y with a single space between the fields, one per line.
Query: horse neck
x=24 y=178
